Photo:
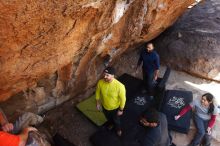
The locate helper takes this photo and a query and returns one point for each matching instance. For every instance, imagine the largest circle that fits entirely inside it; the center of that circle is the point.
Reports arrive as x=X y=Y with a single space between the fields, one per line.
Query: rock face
x=193 y=43
x=57 y=49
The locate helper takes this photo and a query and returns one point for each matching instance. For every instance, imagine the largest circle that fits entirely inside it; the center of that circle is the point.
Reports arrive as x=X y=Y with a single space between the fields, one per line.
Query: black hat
x=110 y=70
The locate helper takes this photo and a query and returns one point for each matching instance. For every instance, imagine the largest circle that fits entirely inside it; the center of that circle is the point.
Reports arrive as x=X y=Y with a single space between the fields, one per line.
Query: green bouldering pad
x=88 y=108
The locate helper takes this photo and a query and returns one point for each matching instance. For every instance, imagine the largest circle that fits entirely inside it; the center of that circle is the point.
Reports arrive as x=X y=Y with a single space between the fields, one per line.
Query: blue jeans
x=201 y=133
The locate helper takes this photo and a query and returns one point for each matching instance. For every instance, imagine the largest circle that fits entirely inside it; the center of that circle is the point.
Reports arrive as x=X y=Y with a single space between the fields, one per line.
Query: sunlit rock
x=71 y=39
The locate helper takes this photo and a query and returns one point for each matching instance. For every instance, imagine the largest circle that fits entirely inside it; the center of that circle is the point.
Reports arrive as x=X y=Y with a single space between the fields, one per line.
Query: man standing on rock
x=111 y=97
x=150 y=67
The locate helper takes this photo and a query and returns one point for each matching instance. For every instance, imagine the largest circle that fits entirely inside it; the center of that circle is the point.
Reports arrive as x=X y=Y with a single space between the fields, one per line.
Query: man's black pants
x=113 y=118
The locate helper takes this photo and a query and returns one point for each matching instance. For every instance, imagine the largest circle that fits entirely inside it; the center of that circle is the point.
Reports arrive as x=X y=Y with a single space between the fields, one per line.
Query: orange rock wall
x=71 y=38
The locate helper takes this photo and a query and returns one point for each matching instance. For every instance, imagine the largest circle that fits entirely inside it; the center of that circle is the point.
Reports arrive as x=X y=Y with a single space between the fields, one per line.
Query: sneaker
x=108 y=125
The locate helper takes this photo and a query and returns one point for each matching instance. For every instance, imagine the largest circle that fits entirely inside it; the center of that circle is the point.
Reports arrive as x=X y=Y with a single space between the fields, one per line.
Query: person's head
x=207 y=101
x=109 y=74
x=150 y=47
x=150 y=118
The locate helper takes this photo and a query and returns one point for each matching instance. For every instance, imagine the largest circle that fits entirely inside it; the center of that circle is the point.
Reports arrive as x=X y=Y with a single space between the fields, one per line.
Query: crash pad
x=88 y=108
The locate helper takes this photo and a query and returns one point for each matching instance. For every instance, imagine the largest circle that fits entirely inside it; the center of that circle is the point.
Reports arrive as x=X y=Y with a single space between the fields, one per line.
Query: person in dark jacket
x=150 y=67
x=155 y=128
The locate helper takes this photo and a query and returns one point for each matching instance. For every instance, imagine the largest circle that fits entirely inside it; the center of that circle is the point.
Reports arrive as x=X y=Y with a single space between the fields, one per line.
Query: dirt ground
x=70 y=123
x=74 y=126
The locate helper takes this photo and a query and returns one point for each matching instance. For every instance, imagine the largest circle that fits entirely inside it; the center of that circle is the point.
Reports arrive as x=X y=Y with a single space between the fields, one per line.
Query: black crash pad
x=172 y=104
x=161 y=88
x=61 y=141
x=133 y=87
x=88 y=106
x=109 y=138
x=132 y=135
x=130 y=119
x=136 y=103
x=132 y=84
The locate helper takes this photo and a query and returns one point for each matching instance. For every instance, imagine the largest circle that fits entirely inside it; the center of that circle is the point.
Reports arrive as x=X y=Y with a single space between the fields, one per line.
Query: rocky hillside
x=193 y=43
x=57 y=49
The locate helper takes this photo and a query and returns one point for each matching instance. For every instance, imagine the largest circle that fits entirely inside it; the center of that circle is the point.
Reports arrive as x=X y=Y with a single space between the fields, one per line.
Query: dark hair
x=151 y=115
x=209 y=98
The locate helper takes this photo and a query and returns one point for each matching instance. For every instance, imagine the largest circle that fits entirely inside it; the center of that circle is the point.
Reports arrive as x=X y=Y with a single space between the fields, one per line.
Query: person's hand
x=209 y=131
x=98 y=107
x=142 y=121
x=8 y=127
x=155 y=78
x=177 y=117
x=156 y=74
x=30 y=129
x=120 y=112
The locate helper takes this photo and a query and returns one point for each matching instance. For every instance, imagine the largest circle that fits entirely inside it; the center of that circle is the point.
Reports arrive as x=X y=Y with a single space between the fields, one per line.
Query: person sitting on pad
x=204 y=118
x=155 y=129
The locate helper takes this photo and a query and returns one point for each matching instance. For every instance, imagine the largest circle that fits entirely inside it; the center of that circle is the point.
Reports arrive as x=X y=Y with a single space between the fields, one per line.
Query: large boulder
x=192 y=44
x=69 y=41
